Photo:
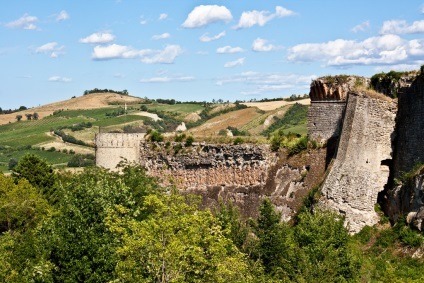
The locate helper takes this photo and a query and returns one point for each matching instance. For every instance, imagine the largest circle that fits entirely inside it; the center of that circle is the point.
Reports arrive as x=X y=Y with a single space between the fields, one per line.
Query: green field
x=33 y=132
x=178 y=111
x=53 y=157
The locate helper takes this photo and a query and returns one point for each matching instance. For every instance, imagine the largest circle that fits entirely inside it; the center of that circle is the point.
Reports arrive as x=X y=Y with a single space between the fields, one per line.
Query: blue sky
x=199 y=50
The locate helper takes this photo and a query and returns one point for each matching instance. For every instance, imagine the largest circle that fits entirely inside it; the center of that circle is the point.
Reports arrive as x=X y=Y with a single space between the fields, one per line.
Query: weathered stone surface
x=331 y=88
x=112 y=148
x=408 y=200
x=325 y=119
x=360 y=170
x=410 y=128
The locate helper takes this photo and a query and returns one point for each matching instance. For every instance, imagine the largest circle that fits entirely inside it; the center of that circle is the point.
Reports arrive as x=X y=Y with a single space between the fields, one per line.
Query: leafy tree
x=35 y=116
x=81 y=246
x=323 y=250
x=18 y=117
x=22 y=108
x=273 y=240
x=176 y=243
x=29 y=116
x=12 y=163
x=38 y=172
x=229 y=218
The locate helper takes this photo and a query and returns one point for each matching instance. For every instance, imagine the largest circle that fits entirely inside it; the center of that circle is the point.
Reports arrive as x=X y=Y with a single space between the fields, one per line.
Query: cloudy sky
x=51 y=50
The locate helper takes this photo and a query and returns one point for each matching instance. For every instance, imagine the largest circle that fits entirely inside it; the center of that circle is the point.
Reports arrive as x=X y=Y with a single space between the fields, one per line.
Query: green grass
x=298 y=129
x=294 y=120
x=185 y=108
x=98 y=114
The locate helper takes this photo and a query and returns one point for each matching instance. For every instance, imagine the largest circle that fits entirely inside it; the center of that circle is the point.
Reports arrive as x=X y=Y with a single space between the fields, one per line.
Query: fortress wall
x=360 y=170
x=410 y=128
x=112 y=148
x=204 y=165
x=325 y=119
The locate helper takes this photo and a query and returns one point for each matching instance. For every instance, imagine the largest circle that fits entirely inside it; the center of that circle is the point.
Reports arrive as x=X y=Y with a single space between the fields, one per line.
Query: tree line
x=101 y=226
x=97 y=90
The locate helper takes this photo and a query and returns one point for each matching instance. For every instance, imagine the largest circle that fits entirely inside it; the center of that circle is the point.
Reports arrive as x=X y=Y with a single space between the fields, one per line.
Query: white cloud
x=166 y=79
x=206 y=14
x=206 y=38
x=258 y=83
x=99 y=37
x=165 y=56
x=260 y=45
x=63 y=16
x=25 y=22
x=251 y=18
x=361 y=27
x=235 y=63
x=229 y=49
x=402 y=27
x=382 y=50
x=115 y=51
x=161 y=36
x=59 y=79
x=163 y=16
x=51 y=48
x=143 y=21
x=148 y=56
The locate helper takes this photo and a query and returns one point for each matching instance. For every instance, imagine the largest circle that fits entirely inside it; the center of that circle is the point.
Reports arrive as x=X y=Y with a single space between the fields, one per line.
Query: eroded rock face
x=361 y=168
x=243 y=174
x=335 y=87
x=408 y=200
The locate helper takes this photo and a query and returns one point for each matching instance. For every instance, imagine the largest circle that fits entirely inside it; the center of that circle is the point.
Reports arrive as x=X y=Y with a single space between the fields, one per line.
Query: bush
x=155 y=136
x=238 y=140
x=189 y=141
x=180 y=138
x=12 y=163
x=295 y=143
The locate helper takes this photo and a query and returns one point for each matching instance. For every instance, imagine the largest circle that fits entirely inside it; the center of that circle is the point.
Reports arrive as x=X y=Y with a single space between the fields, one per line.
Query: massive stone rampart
x=328 y=102
x=360 y=170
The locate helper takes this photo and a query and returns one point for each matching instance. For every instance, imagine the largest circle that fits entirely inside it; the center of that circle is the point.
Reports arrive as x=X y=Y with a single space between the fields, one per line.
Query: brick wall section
x=112 y=148
x=325 y=119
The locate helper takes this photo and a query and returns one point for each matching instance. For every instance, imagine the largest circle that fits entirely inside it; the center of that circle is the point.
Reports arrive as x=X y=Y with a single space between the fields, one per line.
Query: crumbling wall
x=328 y=101
x=202 y=165
x=112 y=148
x=361 y=168
x=325 y=119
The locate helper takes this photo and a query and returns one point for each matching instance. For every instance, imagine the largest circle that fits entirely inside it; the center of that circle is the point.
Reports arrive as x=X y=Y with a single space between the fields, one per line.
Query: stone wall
x=112 y=148
x=325 y=119
x=410 y=128
x=361 y=168
x=203 y=165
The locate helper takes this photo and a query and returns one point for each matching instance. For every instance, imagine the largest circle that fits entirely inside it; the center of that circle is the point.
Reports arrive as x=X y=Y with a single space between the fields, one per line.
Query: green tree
x=18 y=118
x=176 y=243
x=38 y=172
x=323 y=250
x=82 y=247
x=12 y=163
x=273 y=241
x=35 y=116
x=22 y=212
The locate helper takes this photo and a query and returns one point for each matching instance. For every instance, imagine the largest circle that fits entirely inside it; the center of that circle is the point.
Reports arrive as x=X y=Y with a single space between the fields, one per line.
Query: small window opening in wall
x=387 y=162
x=315 y=125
